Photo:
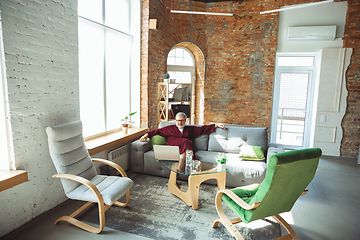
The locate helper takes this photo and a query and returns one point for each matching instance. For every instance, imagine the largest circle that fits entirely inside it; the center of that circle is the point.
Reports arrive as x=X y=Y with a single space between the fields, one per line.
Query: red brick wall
x=239 y=60
x=239 y=52
x=172 y=29
x=144 y=78
x=240 y=64
x=351 y=120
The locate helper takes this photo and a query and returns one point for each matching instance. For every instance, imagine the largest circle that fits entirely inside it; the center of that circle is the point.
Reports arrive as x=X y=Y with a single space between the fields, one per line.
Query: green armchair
x=287 y=176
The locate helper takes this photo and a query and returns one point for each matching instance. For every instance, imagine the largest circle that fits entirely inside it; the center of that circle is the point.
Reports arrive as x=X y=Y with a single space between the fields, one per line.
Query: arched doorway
x=186 y=62
x=181 y=67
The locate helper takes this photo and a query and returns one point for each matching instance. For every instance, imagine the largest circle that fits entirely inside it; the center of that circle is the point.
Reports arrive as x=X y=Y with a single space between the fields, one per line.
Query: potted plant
x=127 y=121
x=221 y=159
x=166 y=77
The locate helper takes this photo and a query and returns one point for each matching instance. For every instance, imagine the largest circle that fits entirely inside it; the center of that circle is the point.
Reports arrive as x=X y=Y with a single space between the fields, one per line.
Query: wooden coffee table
x=195 y=178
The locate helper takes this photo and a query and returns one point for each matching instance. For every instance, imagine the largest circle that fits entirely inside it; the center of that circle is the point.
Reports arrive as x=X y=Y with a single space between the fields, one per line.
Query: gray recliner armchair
x=78 y=175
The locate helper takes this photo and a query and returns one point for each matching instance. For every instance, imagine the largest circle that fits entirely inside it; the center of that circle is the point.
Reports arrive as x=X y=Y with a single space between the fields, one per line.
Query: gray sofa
x=206 y=147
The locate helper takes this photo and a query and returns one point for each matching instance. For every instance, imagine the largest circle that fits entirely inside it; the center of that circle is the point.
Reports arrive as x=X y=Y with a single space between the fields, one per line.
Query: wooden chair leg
x=120 y=204
x=229 y=226
x=72 y=220
x=288 y=228
x=81 y=209
x=225 y=220
x=102 y=207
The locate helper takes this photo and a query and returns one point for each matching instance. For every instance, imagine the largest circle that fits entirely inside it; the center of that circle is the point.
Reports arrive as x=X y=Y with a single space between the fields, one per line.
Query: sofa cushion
x=157 y=140
x=248 y=152
x=257 y=137
x=232 y=138
x=201 y=143
x=218 y=140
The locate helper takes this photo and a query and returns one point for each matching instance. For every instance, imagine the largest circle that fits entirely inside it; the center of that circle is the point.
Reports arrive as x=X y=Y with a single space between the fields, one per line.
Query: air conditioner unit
x=311 y=33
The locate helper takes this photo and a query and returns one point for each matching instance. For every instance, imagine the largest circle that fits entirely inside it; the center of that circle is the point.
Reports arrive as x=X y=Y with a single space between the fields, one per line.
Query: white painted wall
x=318 y=15
x=41 y=60
x=331 y=100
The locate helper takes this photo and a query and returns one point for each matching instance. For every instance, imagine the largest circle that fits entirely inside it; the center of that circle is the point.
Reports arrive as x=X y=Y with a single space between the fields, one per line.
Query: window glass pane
x=117 y=14
x=292 y=108
x=293 y=93
x=187 y=61
x=295 y=61
x=91 y=9
x=117 y=78
x=91 y=74
x=172 y=53
x=179 y=56
x=171 y=60
x=186 y=54
x=179 y=53
x=4 y=162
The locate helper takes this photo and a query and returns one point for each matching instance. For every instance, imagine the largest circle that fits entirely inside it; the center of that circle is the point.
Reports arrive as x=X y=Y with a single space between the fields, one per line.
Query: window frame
x=312 y=91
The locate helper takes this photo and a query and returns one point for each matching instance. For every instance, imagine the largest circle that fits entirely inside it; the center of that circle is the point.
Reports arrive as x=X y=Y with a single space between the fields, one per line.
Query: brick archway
x=200 y=77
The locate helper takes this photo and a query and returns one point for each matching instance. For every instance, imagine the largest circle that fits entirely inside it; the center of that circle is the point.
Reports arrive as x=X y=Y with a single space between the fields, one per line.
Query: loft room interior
x=240 y=67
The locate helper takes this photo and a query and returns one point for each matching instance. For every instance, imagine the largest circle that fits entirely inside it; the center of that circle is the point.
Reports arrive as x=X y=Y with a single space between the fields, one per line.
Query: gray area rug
x=155 y=213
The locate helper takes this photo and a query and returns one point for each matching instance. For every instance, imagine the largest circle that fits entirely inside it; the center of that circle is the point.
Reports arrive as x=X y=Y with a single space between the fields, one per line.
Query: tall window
x=105 y=50
x=7 y=159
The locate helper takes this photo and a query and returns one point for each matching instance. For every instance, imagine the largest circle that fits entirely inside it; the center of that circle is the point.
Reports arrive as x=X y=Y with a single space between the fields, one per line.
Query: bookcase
x=175 y=97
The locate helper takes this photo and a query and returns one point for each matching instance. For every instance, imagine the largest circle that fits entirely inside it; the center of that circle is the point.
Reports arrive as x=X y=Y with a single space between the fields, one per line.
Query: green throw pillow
x=248 y=152
x=157 y=140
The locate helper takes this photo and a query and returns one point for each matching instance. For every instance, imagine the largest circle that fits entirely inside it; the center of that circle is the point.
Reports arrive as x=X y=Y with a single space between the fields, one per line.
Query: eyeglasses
x=180 y=120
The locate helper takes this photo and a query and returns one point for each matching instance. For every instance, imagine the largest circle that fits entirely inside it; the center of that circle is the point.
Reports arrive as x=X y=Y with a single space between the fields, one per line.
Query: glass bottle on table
x=189 y=160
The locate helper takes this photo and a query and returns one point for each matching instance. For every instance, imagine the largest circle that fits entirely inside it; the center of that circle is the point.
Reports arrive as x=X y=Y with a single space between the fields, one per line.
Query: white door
x=292 y=105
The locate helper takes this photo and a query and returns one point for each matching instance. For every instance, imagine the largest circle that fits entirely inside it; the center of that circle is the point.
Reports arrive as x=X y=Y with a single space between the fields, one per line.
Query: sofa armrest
x=141 y=146
x=137 y=155
x=274 y=148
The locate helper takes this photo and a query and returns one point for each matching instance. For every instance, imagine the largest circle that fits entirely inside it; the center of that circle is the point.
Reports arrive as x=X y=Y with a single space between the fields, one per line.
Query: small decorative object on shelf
x=221 y=159
x=127 y=121
x=166 y=77
x=172 y=80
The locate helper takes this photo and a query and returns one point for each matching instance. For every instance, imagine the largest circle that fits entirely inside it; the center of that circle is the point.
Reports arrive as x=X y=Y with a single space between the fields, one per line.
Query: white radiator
x=121 y=156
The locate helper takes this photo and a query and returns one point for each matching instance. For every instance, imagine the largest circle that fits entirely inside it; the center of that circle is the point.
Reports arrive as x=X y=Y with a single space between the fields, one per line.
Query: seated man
x=181 y=135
